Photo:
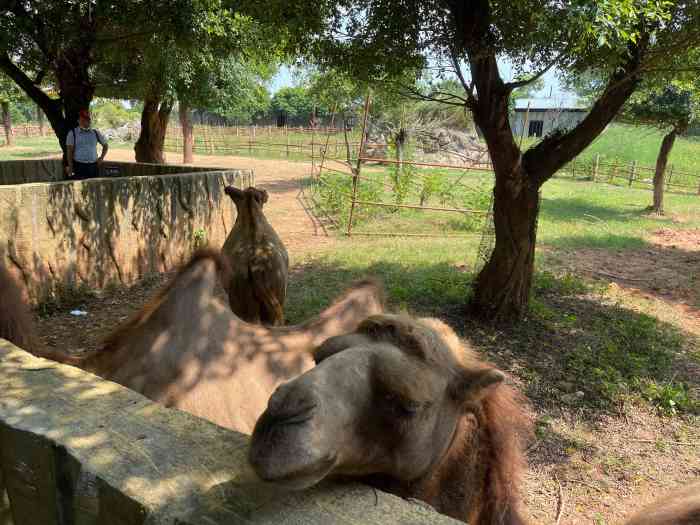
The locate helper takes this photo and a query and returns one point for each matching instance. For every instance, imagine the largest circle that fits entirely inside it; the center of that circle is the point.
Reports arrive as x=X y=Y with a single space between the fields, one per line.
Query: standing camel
x=258 y=259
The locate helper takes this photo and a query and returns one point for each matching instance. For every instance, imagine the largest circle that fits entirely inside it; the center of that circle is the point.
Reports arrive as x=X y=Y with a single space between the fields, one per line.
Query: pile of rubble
x=438 y=145
x=126 y=133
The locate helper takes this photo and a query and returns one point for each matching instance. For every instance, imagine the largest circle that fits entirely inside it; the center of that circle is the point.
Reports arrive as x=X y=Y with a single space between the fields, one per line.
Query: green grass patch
x=632 y=356
x=454 y=201
x=30 y=148
x=622 y=144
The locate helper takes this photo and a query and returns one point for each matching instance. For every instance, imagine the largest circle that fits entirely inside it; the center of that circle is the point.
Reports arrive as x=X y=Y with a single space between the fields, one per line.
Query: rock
x=566 y=386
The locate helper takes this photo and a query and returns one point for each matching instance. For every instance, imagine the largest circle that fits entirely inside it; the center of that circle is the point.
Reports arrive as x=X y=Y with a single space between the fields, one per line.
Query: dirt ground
x=666 y=273
x=599 y=473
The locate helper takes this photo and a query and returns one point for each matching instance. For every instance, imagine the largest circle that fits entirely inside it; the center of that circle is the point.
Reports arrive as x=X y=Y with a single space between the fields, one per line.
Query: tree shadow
x=573 y=209
x=116 y=229
x=669 y=271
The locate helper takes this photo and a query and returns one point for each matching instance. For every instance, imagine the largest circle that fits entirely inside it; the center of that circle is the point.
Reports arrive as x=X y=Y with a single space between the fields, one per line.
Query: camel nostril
x=294 y=415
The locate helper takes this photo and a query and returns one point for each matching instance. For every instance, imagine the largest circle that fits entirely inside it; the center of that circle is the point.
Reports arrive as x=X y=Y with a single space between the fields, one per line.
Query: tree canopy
x=626 y=40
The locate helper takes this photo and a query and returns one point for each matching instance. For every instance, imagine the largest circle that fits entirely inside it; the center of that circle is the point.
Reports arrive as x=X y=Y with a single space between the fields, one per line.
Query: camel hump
x=681 y=507
x=193 y=285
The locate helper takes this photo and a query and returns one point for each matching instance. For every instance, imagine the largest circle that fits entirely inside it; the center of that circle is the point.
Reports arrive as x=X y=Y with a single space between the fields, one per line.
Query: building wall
x=95 y=232
x=552 y=119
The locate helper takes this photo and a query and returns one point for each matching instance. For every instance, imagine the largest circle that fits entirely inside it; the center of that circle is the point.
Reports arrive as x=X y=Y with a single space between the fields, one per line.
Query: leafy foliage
x=671 y=107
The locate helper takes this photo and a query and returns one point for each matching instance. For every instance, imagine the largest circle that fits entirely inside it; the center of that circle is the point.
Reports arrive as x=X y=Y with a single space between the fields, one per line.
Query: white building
x=539 y=116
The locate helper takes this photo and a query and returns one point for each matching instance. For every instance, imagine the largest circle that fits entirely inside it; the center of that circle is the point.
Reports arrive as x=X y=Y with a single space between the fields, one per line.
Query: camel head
x=383 y=400
x=249 y=196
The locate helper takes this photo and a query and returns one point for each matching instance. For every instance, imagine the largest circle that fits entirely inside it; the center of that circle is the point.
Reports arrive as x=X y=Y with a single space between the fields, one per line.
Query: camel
x=258 y=284
x=403 y=405
x=186 y=349
x=681 y=507
x=16 y=323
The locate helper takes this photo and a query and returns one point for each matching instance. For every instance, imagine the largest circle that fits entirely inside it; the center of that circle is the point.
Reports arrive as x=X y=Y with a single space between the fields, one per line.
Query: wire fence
x=630 y=174
x=385 y=188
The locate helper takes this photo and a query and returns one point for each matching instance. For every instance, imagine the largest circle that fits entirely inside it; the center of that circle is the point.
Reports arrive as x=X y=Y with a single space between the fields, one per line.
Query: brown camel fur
x=403 y=405
x=681 y=507
x=186 y=349
x=16 y=324
x=257 y=287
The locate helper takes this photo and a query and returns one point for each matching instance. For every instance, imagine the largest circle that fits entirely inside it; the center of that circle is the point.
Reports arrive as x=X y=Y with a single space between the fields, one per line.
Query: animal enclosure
x=410 y=180
x=144 y=218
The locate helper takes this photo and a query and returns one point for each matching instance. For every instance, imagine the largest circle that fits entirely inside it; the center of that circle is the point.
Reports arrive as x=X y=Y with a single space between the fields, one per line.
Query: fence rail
x=630 y=174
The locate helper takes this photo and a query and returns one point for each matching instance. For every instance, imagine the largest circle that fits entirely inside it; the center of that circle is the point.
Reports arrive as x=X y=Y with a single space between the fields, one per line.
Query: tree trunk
x=40 y=119
x=154 y=124
x=187 y=139
x=7 y=123
x=660 y=174
x=502 y=287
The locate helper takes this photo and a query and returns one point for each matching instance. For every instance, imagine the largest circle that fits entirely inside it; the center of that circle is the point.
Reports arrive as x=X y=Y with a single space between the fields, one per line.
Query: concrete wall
x=51 y=170
x=75 y=449
x=112 y=229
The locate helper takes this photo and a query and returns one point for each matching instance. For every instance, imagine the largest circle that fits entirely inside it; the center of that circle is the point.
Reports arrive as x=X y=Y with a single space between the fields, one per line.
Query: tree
x=9 y=94
x=672 y=109
x=296 y=105
x=62 y=42
x=214 y=56
x=627 y=39
x=223 y=85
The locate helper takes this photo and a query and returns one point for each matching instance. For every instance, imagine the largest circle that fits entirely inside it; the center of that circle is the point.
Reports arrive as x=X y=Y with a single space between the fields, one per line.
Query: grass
x=627 y=143
x=31 y=148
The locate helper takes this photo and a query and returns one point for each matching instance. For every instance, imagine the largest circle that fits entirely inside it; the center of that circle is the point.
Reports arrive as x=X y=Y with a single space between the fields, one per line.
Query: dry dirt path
x=297 y=227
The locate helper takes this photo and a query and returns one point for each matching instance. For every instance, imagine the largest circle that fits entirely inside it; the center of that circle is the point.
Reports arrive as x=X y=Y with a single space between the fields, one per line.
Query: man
x=81 y=143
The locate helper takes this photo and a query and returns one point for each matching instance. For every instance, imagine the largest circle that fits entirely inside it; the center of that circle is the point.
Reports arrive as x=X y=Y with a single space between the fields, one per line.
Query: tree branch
x=520 y=83
x=25 y=83
x=448 y=98
x=554 y=151
x=468 y=86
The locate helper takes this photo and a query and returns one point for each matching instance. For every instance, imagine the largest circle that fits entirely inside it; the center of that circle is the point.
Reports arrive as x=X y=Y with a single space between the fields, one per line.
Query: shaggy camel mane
x=501 y=418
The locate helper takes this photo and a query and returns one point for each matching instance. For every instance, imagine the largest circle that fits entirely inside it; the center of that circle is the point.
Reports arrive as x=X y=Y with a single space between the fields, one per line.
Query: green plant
x=632 y=356
x=200 y=237
x=669 y=396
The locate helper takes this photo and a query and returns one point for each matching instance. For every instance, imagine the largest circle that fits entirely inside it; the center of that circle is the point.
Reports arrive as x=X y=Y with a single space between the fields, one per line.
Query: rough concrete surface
x=57 y=236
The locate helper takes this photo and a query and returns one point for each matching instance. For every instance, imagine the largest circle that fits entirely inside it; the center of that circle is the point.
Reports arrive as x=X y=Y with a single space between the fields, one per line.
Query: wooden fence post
x=595 y=167
x=573 y=168
x=286 y=135
x=633 y=168
x=613 y=172
x=668 y=179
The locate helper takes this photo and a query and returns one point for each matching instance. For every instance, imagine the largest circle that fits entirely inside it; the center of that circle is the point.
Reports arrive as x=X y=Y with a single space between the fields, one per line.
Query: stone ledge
x=77 y=449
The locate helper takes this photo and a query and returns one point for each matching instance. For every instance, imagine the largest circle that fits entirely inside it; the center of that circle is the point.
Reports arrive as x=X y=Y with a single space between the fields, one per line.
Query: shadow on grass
x=666 y=271
x=575 y=347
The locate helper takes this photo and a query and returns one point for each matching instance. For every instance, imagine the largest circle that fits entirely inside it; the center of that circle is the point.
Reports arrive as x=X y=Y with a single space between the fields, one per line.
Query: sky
x=285 y=78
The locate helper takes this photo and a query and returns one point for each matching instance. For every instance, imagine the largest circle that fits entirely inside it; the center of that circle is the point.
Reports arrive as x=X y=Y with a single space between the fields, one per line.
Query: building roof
x=568 y=103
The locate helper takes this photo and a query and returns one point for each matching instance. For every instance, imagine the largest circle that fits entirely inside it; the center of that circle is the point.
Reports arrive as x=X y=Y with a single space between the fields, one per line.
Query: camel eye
x=402 y=407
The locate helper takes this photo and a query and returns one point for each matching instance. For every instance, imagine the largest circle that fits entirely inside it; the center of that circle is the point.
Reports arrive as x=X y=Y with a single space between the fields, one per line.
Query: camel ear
x=474 y=385
x=233 y=192
x=261 y=196
x=338 y=343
